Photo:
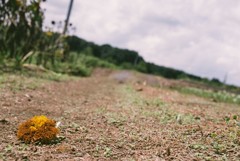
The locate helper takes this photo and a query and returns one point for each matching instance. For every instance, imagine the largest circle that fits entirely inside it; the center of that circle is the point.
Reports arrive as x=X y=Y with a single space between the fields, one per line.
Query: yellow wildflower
x=38 y=129
x=39 y=121
x=49 y=33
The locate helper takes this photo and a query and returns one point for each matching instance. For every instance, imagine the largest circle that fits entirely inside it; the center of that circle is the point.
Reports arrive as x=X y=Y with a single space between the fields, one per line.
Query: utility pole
x=68 y=16
x=136 y=60
x=225 y=78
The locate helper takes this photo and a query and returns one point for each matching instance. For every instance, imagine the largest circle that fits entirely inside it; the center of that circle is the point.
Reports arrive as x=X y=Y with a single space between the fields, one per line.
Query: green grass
x=25 y=79
x=155 y=108
x=219 y=96
x=32 y=76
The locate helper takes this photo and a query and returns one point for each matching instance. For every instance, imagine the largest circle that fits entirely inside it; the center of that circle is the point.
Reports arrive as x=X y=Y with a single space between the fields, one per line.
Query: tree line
x=125 y=58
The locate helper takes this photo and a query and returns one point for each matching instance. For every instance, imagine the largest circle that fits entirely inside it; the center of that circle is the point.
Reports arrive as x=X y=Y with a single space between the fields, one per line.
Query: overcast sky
x=201 y=37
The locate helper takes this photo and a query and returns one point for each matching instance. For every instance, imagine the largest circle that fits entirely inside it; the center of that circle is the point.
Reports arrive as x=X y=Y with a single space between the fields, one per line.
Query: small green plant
x=108 y=152
x=115 y=119
x=8 y=148
x=198 y=146
x=2 y=156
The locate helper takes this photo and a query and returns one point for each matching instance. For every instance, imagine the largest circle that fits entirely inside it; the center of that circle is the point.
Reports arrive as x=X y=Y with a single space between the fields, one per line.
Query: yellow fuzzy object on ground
x=38 y=129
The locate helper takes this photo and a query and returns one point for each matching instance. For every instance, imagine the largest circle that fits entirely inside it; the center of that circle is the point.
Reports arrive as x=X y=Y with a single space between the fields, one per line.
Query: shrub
x=79 y=70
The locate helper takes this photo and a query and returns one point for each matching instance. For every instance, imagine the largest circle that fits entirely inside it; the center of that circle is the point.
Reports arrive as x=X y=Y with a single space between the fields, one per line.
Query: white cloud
x=198 y=36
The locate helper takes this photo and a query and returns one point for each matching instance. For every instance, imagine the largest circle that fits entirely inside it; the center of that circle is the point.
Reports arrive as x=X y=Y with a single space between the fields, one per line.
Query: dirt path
x=120 y=116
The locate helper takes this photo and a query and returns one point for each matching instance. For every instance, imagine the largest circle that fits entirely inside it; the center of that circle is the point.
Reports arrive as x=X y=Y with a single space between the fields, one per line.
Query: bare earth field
x=118 y=115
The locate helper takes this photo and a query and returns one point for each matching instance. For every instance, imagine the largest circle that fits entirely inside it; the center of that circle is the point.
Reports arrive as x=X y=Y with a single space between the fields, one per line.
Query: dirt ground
x=120 y=115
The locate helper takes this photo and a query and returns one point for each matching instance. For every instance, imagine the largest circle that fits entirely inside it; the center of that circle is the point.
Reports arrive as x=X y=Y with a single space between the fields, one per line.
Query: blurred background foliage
x=24 y=41
x=22 y=37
